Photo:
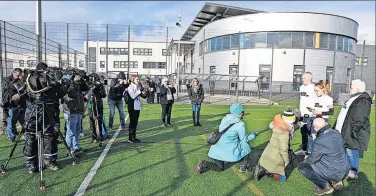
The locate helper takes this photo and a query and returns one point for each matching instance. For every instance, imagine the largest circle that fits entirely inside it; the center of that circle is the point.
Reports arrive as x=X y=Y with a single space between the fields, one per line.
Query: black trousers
x=151 y=97
x=305 y=134
x=133 y=119
x=166 y=113
x=219 y=166
x=93 y=127
x=158 y=97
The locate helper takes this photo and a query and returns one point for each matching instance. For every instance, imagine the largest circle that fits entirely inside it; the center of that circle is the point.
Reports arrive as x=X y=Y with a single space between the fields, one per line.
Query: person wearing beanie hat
x=232 y=147
x=275 y=157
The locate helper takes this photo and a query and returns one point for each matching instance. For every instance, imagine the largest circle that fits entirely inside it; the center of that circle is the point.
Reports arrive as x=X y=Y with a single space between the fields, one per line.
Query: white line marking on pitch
x=81 y=190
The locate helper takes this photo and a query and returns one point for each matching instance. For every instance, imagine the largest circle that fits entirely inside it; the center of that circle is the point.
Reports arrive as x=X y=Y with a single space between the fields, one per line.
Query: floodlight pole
x=38 y=30
x=178 y=79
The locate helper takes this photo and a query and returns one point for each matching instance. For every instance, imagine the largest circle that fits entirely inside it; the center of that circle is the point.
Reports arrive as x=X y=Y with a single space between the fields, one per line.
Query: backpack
x=213 y=137
x=126 y=96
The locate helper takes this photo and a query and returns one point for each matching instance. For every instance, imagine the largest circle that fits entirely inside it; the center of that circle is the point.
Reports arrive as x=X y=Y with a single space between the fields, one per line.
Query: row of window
x=134 y=64
x=114 y=51
x=136 y=51
x=278 y=40
x=154 y=65
x=361 y=61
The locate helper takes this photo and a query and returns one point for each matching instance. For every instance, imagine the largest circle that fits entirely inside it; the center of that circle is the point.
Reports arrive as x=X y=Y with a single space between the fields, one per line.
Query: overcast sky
x=165 y=13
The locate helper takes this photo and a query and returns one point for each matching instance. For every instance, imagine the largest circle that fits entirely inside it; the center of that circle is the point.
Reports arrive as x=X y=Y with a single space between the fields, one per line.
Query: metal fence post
x=87 y=48
x=39 y=30
x=5 y=48
x=45 y=43
x=271 y=74
x=107 y=51
x=129 y=49
x=237 y=75
x=59 y=54
x=68 y=44
x=75 y=58
x=166 y=48
x=361 y=69
x=333 y=77
x=1 y=55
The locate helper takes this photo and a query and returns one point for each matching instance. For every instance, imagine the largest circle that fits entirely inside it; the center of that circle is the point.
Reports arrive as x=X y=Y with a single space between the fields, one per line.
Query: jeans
x=353 y=159
x=317 y=179
x=73 y=130
x=14 y=115
x=119 y=105
x=196 y=107
x=166 y=112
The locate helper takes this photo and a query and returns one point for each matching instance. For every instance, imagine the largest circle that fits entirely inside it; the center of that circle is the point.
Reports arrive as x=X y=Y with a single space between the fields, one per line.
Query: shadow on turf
x=361 y=186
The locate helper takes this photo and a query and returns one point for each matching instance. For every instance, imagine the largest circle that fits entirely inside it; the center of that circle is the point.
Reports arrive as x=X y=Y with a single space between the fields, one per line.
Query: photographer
x=135 y=91
x=74 y=109
x=96 y=107
x=14 y=101
x=115 y=96
x=151 y=95
x=42 y=89
x=167 y=99
x=308 y=99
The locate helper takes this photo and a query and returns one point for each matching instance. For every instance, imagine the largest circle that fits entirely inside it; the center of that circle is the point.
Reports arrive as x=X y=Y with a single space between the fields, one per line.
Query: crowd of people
x=331 y=153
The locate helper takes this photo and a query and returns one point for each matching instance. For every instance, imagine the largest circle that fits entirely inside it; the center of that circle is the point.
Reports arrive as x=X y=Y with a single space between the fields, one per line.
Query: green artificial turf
x=164 y=163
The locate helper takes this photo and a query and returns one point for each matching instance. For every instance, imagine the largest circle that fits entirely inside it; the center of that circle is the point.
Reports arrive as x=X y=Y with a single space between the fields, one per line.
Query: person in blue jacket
x=233 y=145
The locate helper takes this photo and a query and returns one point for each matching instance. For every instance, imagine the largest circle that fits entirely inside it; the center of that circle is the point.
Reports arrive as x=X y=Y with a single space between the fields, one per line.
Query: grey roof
x=211 y=12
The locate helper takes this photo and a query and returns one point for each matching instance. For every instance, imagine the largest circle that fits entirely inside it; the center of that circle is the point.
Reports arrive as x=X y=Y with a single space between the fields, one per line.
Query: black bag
x=213 y=137
x=126 y=97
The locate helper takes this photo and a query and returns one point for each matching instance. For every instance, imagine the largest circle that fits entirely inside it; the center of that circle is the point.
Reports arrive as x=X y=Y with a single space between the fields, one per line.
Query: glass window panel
x=273 y=38
x=285 y=40
x=346 y=47
x=219 y=44
x=213 y=44
x=332 y=42
x=241 y=40
x=226 y=42
x=340 y=43
x=260 y=40
x=249 y=40
x=297 y=39
x=235 y=41
x=309 y=40
x=92 y=54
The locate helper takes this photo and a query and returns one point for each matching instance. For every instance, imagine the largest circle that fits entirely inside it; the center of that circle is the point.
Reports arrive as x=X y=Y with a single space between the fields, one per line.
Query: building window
x=103 y=51
x=134 y=64
x=226 y=42
x=340 y=43
x=30 y=63
x=235 y=41
x=332 y=42
x=285 y=40
x=92 y=54
x=260 y=40
x=233 y=70
x=273 y=39
x=297 y=40
x=102 y=64
x=219 y=43
x=249 y=40
x=309 y=40
x=21 y=63
x=124 y=51
x=212 y=70
x=166 y=52
x=142 y=51
x=346 y=44
x=80 y=63
x=154 y=65
x=135 y=51
x=324 y=41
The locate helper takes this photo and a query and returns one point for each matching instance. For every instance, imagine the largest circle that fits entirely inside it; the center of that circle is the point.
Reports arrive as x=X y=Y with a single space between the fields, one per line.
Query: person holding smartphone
x=167 y=92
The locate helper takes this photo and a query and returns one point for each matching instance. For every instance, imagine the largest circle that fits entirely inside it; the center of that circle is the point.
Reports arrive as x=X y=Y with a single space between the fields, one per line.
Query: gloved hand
x=15 y=97
x=77 y=78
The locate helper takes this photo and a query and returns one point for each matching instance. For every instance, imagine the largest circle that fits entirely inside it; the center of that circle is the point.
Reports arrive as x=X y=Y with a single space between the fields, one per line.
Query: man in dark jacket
x=354 y=124
x=74 y=108
x=96 y=108
x=167 y=99
x=115 y=96
x=14 y=100
x=151 y=95
x=327 y=165
x=38 y=105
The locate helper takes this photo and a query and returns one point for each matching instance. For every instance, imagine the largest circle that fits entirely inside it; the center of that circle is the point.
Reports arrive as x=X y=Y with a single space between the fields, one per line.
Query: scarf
x=195 y=88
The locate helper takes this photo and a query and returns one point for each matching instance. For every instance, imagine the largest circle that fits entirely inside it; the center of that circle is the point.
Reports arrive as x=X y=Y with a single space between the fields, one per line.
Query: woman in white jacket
x=135 y=91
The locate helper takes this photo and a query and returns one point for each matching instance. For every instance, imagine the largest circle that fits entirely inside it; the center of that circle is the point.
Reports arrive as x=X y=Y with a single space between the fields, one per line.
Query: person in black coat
x=196 y=95
x=354 y=124
x=95 y=96
x=167 y=92
x=115 y=99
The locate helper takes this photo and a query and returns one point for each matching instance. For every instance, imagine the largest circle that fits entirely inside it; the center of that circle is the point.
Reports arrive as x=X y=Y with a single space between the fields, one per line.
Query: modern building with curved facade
x=280 y=46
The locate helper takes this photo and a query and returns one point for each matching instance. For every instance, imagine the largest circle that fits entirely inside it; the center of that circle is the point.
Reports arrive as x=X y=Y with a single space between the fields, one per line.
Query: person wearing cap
x=232 y=147
x=114 y=99
x=275 y=157
x=327 y=165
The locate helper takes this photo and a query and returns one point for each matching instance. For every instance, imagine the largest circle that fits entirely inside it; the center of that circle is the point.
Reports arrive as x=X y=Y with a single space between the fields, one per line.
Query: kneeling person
x=275 y=157
x=233 y=145
x=327 y=165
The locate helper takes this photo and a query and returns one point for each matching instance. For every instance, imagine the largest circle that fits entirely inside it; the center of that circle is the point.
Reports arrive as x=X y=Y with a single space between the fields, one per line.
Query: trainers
x=244 y=169
x=300 y=152
x=32 y=170
x=125 y=129
x=353 y=175
x=95 y=141
x=337 y=185
x=325 y=191
x=169 y=124
x=164 y=125
x=199 y=167
x=53 y=167
x=198 y=124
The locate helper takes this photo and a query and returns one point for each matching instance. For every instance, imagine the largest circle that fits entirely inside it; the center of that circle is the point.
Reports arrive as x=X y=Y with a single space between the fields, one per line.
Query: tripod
x=40 y=138
x=292 y=155
x=95 y=115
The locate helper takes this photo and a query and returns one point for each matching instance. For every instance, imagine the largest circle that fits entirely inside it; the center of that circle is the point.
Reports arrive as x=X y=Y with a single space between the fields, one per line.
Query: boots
x=259 y=172
x=201 y=167
x=135 y=140
x=194 y=118
x=198 y=119
x=132 y=136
